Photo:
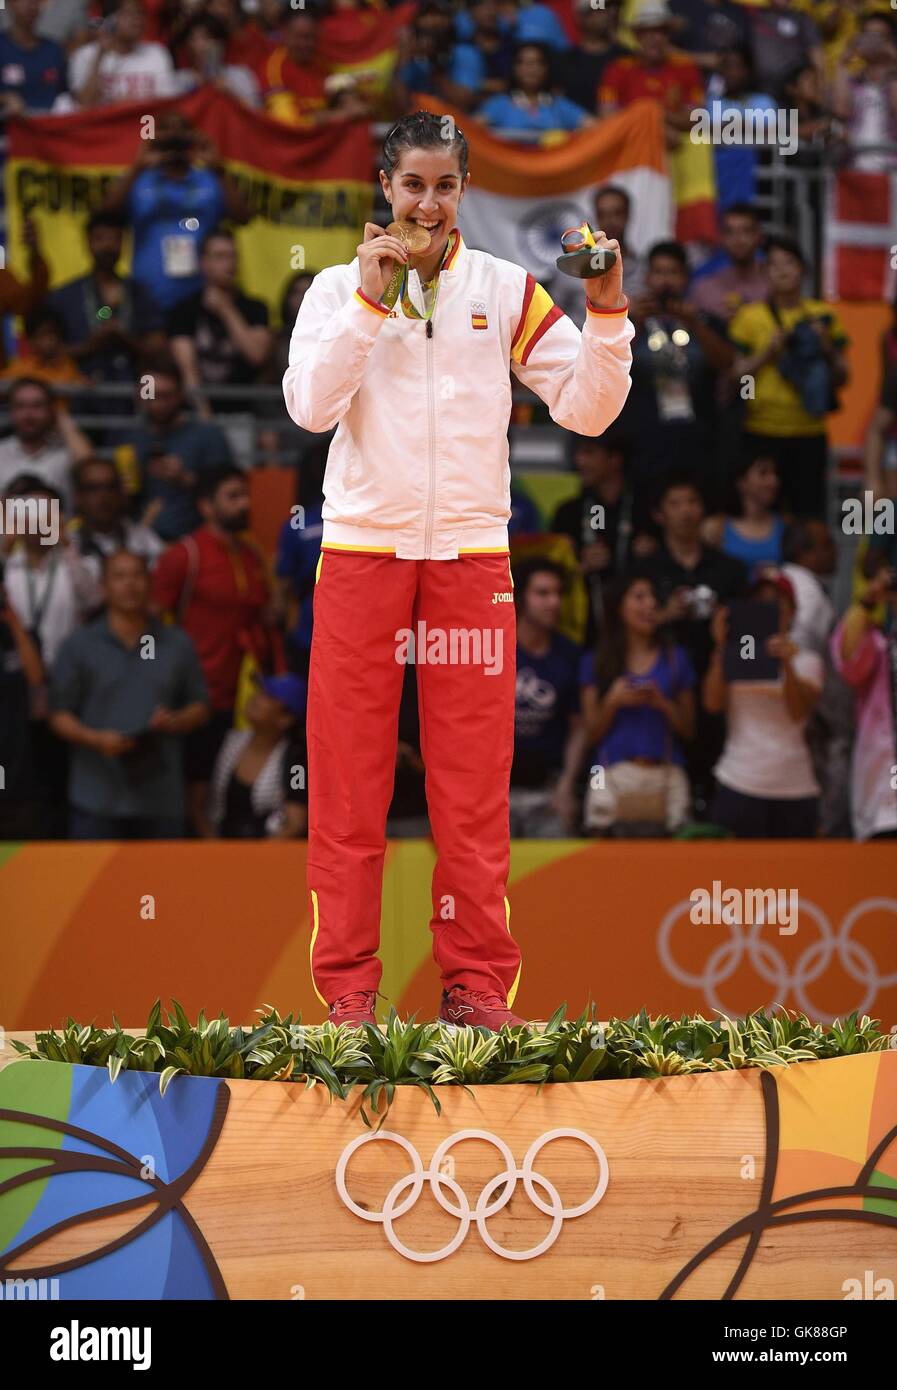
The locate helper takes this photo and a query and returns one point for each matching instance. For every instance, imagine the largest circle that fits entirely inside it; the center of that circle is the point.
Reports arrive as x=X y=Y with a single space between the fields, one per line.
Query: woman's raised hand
x=377 y=256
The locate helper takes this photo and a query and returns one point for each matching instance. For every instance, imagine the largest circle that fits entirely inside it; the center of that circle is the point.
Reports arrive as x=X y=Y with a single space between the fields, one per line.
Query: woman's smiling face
x=426 y=187
x=639 y=608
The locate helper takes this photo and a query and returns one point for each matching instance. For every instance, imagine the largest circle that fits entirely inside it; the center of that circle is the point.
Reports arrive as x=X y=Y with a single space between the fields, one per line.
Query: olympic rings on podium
x=396 y=1205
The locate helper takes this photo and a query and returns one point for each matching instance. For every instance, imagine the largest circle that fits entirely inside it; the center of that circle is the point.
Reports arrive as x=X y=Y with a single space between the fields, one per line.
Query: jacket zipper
x=431 y=427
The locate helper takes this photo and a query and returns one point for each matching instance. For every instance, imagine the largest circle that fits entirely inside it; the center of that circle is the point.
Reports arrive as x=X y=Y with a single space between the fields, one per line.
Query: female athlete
x=408 y=352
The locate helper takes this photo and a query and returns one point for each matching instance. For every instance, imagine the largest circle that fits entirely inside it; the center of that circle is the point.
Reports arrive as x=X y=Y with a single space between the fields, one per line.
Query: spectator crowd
x=683 y=667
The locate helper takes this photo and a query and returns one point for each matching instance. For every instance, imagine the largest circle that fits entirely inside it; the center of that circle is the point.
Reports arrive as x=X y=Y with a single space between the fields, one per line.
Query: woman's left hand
x=606 y=291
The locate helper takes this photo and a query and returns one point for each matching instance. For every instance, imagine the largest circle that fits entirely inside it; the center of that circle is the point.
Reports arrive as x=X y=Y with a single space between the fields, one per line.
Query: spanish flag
x=694 y=190
x=365 y=42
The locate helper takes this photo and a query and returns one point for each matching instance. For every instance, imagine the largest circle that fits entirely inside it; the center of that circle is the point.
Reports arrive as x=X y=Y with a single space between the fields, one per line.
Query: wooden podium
x=746 y=1185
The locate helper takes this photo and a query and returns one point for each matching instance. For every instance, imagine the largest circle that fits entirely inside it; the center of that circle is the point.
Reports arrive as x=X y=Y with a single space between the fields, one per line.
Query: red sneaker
x=354 y=1009
x=477 y=1010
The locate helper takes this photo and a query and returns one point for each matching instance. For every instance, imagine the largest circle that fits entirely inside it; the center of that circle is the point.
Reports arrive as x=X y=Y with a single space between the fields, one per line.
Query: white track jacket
x=418 y=467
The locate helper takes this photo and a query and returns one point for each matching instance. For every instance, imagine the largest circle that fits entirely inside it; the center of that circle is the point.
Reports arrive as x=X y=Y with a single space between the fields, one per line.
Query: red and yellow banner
x=364 y=40
x=310 y=191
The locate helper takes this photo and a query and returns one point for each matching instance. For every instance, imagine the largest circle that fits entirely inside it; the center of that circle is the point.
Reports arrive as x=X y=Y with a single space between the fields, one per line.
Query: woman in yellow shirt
x=790 y=364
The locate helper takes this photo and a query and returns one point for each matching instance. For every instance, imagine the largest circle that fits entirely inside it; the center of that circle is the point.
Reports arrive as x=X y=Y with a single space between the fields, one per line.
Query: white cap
x=654 y=14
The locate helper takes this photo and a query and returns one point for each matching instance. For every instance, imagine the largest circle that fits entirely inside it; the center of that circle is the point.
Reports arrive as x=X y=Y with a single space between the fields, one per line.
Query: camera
x=174 y=144
x=700 y=602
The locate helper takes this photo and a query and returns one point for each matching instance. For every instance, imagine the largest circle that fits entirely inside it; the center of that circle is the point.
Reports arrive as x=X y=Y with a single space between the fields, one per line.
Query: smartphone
x=745 y=658
x=642 y=683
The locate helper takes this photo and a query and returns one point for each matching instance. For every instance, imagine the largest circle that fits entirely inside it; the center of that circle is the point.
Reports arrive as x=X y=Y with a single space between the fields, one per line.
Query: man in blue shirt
x=549 y=741
x=32 y=69
x=736 y=163
x=172 y=202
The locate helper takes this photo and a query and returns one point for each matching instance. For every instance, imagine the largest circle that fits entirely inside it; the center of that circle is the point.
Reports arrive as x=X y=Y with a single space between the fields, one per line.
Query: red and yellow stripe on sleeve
x=538 y=312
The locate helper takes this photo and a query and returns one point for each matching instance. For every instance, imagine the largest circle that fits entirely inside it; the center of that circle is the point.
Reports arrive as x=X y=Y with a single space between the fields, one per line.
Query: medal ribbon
x=399 y=283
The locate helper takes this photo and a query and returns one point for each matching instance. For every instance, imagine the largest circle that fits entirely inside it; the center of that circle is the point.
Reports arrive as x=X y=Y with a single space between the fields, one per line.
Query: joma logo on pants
x=506 y=597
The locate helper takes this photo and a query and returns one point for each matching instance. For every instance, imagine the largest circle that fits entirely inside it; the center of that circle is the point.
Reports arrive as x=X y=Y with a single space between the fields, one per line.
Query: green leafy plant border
x=428 y=1055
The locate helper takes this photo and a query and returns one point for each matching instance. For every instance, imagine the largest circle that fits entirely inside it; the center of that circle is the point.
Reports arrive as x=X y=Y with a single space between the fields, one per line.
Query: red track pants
x=365 y=606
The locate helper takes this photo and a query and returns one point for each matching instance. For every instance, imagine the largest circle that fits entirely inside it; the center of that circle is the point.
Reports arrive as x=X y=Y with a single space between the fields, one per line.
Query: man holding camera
x=173 y=195
x=677 y=352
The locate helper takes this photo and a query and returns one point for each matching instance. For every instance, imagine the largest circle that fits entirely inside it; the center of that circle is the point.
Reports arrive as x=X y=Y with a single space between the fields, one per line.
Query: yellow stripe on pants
x=513 y=990
x=311 y=947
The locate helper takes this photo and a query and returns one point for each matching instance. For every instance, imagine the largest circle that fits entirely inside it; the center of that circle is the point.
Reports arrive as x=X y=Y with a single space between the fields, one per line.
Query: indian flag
x=522 y=198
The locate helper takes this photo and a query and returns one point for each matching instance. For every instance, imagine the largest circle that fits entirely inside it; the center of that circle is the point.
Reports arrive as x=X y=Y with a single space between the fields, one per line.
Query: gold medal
x=416 y=238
